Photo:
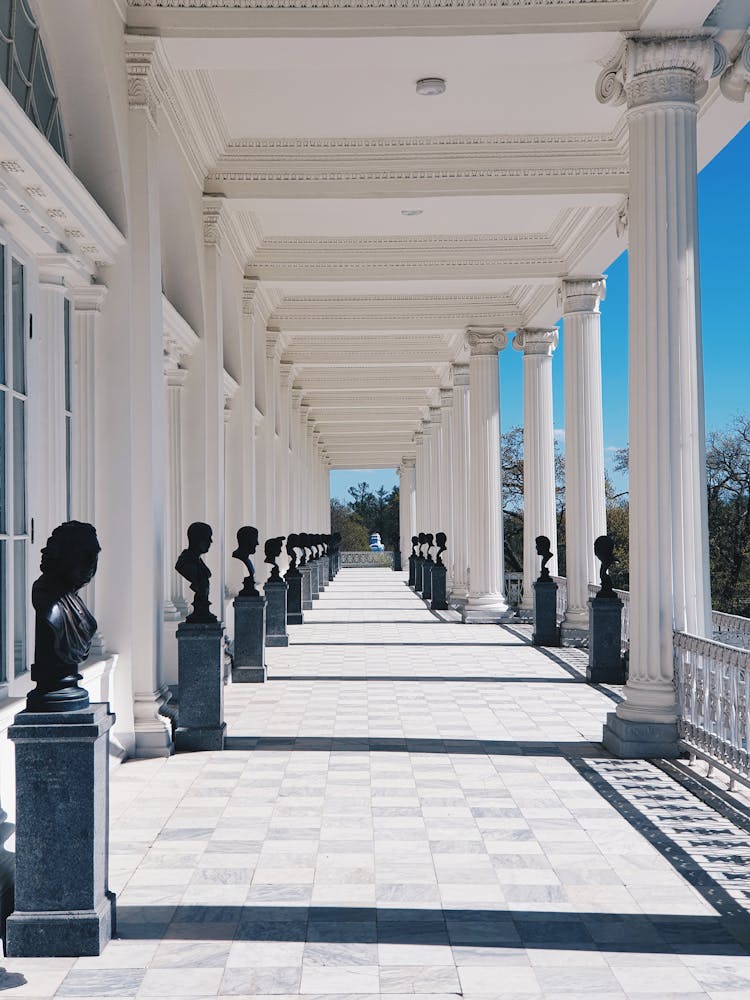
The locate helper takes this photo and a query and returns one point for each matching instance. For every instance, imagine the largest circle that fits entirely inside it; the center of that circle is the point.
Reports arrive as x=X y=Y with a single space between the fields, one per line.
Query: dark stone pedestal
x=397 y=561
x=412 y=569
x=293 y=579
x=323 y=572
x=546 y=630
x=200 y=678
x=249 y=640
x=606 y=665
x=439 y=596
x=314 y=579
x=275 y=591
x=418 y=574
x=63 y=906
x=331 y=566
x=640 y=740
x=306 y=587
x=427 y=580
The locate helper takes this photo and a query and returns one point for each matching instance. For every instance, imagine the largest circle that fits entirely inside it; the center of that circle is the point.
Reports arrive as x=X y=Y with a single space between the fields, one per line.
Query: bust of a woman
x=64 y=625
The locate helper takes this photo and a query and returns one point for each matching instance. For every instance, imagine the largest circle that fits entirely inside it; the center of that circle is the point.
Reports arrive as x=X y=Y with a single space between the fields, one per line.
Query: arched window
x=25 y=72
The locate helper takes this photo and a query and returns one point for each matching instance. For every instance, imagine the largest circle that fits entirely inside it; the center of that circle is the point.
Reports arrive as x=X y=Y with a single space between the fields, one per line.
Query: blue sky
x=724 y=220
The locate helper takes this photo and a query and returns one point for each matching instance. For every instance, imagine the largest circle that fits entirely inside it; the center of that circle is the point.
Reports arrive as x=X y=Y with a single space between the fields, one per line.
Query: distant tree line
x=728 y=482
x=366 y=512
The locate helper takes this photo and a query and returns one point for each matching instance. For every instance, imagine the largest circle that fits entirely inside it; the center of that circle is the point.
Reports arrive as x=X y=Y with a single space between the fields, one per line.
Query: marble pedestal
x=427 y=580
x=314 y=579
x=200 y=660
x=63 y=906
x=323 y=572
x=397 y=561
x=606 y=665
x=412 y=570
x=439 y=596
x=249 y=640
x=418 y=574
x=275 y=591
x=331 y=566
x=306 y=587
x=640 y=740
x=546 y=631
x=293 y=579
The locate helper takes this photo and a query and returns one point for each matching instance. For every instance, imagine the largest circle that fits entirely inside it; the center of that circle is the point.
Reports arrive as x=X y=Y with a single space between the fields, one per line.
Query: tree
x=365 y=513
x=728 y=481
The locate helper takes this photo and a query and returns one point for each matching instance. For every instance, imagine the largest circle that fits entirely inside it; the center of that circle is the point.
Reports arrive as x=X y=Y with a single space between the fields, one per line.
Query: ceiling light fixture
x=411 y=211
x=429 y=86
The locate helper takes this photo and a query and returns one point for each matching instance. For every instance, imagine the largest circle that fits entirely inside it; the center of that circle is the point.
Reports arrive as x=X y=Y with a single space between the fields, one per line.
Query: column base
x=248 y=675
x=62 y=934
x=295 y=618
x=640 y=740
x=200 y=738
x=277 y=640
x=152 y=725
x=481 y=611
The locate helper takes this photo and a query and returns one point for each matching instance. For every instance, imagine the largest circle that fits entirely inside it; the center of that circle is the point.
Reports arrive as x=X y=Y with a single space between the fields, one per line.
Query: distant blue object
x=375 y=544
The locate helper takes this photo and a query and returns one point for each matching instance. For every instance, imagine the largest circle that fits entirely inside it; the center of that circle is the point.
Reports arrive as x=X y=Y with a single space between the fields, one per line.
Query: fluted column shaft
x=486 y=601
x=539 y=506
x=446 y=480
x=419 y=446
x=408 y=507
x=669 y=564
x=459 y=545
x=175 y=605
x=585 y=511
x=436 y=470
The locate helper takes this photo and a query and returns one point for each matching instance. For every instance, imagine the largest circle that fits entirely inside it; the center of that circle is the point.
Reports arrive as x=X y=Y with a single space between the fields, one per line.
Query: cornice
x=180 y=340
x=474 y=164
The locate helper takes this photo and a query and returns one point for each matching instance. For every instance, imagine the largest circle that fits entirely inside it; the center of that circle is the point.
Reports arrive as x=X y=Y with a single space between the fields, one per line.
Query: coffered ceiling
x=303 y=116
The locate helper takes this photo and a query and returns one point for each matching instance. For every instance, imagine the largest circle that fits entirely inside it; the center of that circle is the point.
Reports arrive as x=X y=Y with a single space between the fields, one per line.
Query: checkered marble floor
x=411 y=806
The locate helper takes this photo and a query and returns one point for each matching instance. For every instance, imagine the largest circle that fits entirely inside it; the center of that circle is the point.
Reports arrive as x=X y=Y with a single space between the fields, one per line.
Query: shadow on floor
x=426 y=679
x=356 y=744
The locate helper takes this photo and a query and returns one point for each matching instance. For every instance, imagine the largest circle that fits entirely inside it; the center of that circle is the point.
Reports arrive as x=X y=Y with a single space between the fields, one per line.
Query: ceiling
x=303 y=115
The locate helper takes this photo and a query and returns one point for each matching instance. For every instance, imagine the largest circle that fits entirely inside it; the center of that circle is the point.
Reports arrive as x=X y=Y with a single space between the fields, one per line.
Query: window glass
x=18 y=321
x=20 y=664
x=19 y=467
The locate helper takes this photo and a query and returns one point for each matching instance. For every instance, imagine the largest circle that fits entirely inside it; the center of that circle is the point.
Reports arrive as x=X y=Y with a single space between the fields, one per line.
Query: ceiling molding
x=227 y=18
x=422 y=166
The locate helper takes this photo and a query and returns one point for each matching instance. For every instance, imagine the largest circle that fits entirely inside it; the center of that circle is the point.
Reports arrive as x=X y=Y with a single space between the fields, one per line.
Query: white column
x=286 y=376
x=446 y=485
x=305 y=522
x=147 y=457
x=585 y=511
x=429 y=496
x=420 y=512
x=669 y=565
x=409 y=527
x=437 y=484
x=460 y=476
x=486 y=601
x=295 y=480
x=539 y=500
x=247 y=399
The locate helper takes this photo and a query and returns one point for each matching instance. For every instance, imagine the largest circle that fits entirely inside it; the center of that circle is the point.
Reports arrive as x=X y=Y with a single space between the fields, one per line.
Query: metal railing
x=713 y=692
x=732 y=629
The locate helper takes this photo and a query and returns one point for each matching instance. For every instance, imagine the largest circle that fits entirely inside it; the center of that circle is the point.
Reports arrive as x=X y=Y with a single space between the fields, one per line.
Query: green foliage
x=728 y=480
x=365 y=513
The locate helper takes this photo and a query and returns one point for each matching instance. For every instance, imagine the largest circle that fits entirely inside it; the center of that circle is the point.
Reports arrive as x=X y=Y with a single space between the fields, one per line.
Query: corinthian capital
x=144 y=62
x=486 y=340
x=657 y=69
x=581 y=294
x=536 y=341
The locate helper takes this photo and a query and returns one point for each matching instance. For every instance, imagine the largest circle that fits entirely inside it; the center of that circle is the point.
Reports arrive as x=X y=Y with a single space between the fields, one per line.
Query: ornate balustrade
x=731 y=629
x=713 y=691
x=367 y=560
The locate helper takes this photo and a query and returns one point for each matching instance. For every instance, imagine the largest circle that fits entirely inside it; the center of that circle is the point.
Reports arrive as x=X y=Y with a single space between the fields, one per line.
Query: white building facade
x=238 y=250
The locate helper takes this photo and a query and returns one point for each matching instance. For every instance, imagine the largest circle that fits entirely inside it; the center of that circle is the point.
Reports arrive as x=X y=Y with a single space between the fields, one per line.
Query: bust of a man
x=429 y=541
x=64 y=625
x=414 y=544
x=441 y=540
x=543 y=549
x=190 y=565
x=247 y=543
x=273 y=549
x=292 y=544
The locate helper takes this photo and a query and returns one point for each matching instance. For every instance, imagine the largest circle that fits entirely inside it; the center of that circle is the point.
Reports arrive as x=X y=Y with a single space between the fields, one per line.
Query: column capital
x=735 y=80
x=460 y=375
x=273 y=344
x=214 y=221
x=144 y=64
x=89 y=298
x=436 y=415
x=661 y=69
x=286 y=372
x=297 y=396
x=446 y=397
x=408 y=461
x=581 y=294
x=486 y=340
x=418 y=438
x=249 y=295
x=539 y=341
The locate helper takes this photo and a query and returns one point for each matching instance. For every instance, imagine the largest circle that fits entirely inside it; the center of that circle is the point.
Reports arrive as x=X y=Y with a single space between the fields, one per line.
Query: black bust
x=441 y=540
x=414 y=544
x=272 y=550
x=303 y=545
x=190 y=565
x=247 y=543
x=64 y=625
x=292 y=544
x=543 y=549
x=421 y=542
x=604 y=550
x=429 y=541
